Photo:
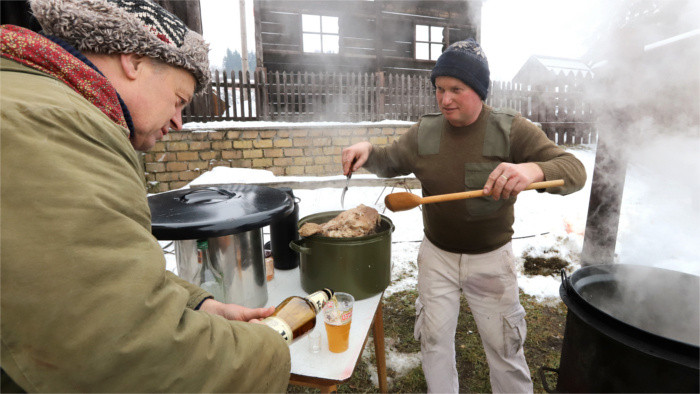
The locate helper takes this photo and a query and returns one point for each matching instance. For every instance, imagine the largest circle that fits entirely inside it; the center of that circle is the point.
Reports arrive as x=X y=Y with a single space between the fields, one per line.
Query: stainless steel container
x=239 y=260
x=230 y=264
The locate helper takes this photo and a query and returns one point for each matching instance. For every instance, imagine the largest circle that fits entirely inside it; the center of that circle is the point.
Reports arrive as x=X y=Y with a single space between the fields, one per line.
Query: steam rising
x=647 y=90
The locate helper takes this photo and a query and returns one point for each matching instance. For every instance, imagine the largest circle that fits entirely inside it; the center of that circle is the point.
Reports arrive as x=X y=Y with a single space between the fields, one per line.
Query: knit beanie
x=140 y=27
x=464 y=60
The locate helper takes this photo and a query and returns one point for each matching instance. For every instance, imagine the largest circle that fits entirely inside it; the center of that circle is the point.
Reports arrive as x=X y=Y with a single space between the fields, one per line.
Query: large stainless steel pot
x=218 y=236
x=236 y=262
x=360 y=266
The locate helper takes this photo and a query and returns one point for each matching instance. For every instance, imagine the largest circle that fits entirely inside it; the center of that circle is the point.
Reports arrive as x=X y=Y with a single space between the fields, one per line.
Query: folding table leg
x=379 y=351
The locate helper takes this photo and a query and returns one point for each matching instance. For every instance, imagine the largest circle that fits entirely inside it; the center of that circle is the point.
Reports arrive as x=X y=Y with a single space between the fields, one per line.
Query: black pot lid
x=215 y=211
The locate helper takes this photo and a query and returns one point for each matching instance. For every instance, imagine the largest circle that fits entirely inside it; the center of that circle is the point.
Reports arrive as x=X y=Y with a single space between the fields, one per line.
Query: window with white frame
x=320 y=34
x=428 y=42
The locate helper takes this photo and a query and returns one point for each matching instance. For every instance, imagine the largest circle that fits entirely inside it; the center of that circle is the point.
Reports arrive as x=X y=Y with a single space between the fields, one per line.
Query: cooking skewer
x=347 y=184
x=404 y=201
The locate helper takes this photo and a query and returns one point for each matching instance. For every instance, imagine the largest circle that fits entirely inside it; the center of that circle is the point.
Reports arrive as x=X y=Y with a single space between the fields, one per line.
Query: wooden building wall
x=534 y=73
x=373 y=35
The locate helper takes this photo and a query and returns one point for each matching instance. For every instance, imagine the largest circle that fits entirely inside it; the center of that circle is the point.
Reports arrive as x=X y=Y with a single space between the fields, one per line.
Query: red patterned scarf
x=40 y=53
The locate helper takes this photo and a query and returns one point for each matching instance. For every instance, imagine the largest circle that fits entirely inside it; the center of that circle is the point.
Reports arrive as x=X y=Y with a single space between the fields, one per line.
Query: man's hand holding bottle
x=236 y=312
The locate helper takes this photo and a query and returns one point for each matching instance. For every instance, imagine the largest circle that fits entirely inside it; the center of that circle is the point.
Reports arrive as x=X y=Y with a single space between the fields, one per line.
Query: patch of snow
x=400 y=363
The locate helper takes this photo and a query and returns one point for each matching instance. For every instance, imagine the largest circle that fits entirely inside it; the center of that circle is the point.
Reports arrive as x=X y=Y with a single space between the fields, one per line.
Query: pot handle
x=543 y=378
x=565 y=280
x=294 y=244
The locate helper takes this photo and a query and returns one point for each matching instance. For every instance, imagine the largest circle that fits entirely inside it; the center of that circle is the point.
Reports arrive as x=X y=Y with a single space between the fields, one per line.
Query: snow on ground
x=400 y=363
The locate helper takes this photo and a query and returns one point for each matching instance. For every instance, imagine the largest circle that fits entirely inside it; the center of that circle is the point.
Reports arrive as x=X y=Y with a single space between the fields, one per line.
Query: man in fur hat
x=467 y=245
x=87 y=304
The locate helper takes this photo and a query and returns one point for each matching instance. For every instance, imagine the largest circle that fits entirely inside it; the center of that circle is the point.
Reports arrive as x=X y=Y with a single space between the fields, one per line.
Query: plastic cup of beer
x=337 y=315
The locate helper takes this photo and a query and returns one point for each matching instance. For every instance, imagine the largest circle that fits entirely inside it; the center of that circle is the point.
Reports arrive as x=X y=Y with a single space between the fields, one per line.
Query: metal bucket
x=238 y=266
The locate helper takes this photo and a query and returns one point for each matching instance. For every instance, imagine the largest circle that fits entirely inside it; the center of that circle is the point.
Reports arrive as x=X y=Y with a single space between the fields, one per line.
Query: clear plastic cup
x=337 y=315
x=315 y=341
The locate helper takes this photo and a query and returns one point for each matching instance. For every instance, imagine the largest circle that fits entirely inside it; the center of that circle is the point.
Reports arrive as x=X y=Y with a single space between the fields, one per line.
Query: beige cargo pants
x=489 y=283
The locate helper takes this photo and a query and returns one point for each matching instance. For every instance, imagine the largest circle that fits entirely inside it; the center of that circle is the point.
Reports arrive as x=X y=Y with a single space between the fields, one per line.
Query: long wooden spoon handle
x=480 y=193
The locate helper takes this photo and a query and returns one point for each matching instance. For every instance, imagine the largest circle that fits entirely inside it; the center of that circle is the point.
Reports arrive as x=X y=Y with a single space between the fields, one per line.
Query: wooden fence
x=562 y=111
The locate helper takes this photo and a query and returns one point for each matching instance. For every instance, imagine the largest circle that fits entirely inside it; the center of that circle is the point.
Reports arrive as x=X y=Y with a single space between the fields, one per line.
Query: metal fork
x=347 y=183
x=345 y=189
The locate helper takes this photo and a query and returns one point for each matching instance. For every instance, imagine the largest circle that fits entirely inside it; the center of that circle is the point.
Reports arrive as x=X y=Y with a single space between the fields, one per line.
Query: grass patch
x=544 y=266
x=545 y=331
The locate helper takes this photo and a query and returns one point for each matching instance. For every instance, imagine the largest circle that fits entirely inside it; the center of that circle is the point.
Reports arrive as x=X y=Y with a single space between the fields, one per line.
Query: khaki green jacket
x=87 y=304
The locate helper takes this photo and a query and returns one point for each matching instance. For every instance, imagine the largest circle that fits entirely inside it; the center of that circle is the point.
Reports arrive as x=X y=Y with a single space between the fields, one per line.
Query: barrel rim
x=643 y=340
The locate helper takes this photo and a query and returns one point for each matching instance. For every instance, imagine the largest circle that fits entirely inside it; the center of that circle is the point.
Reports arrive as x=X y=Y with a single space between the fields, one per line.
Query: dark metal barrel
x=629 y=328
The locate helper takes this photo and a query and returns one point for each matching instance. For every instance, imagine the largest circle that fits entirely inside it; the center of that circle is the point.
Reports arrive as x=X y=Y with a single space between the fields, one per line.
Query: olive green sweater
x=449 y=159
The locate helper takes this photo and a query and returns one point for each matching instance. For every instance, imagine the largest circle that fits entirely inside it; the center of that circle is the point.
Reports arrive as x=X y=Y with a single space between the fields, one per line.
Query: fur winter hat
x=464 y=60
x=126 y=26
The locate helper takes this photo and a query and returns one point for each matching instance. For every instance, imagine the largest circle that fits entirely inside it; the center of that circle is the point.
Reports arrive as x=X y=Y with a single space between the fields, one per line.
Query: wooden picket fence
x=562 y=111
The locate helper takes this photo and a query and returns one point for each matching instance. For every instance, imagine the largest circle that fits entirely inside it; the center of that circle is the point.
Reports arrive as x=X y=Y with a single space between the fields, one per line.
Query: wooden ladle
x=404 y=201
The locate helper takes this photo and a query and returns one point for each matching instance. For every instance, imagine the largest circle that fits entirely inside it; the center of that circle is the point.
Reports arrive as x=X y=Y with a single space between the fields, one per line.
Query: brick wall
x=284 y=150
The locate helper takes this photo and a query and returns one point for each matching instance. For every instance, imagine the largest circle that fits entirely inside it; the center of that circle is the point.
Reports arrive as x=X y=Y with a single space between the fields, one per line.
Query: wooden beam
x=604 y=204
x=616 y=115
x=258 y=35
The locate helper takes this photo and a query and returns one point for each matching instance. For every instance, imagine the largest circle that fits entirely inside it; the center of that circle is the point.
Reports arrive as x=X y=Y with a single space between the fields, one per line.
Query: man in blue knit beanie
x=464 y=60
x=467 y=245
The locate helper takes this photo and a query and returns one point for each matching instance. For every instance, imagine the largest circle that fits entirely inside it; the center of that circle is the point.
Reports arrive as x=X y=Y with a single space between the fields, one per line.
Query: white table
x=325 y=369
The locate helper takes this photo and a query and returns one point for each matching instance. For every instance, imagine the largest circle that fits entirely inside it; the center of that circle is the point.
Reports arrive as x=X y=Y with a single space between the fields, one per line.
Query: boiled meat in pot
x=356 y=222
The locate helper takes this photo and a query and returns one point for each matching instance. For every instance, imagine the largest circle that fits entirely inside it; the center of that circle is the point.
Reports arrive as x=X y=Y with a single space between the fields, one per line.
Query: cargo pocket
x=419 y=320
x=514 y=331
x=475 y=176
